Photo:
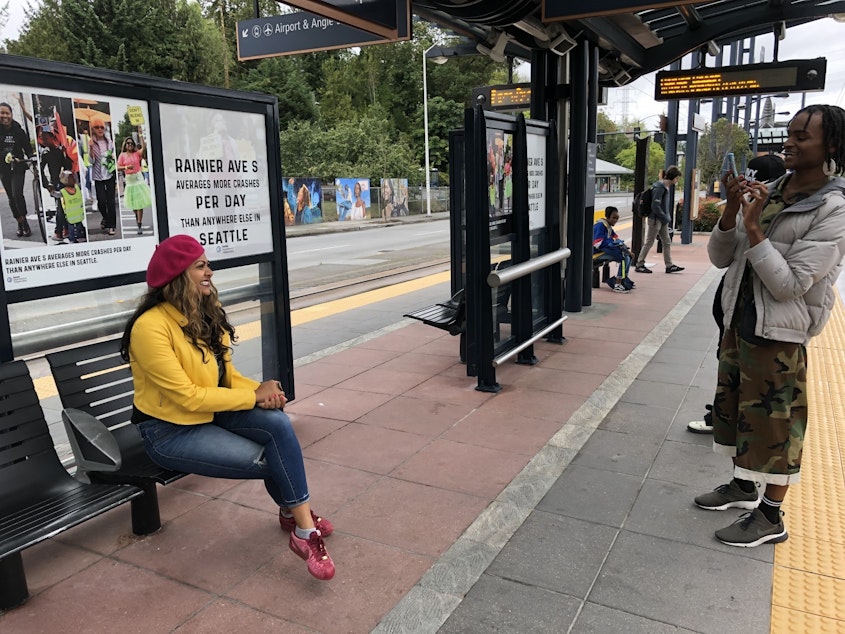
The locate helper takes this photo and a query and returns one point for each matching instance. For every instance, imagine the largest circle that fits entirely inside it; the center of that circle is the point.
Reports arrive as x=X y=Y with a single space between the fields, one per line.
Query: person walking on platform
x=196 y=413
x=659 y=221
x=783 y=246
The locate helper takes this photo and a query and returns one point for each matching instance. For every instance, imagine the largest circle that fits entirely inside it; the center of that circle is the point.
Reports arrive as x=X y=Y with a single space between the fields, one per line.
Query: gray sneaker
x=728 y=496
x=752 y=529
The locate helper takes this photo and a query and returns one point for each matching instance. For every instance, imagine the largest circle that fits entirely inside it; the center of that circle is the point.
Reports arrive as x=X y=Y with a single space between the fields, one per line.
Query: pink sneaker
x=313 y=551
x=322 y=524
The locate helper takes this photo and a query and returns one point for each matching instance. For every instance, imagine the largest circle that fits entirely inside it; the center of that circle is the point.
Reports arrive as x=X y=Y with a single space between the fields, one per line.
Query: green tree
x=278 y=76
x=4 y=14
x=360 y=147
x=611 y=140
x=656 y=159
x=224 y=15
x=41 y=36
x=163 y=38
x=718 y=139
x=443 y=116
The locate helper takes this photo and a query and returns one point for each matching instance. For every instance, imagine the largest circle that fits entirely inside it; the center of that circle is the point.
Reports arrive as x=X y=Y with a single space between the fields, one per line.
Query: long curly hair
x=128 y=139
x=207 y=321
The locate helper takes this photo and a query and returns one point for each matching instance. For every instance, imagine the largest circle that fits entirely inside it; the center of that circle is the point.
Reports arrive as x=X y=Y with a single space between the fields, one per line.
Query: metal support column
x=640 y=183
x=576 y=184
x=689 y=165
x=589 y=173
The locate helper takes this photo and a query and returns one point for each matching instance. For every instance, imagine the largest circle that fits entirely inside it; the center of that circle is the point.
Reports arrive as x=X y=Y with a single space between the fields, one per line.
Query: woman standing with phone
x=783 y=246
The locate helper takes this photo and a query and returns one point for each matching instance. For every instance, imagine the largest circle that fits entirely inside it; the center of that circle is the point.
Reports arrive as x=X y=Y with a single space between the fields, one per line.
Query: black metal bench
x=38 y=497
x=449 y=316
x=602 y=263
x=96 y=381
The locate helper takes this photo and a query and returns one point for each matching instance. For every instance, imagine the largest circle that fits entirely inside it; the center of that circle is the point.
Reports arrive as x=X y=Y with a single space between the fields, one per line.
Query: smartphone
x=729 y=165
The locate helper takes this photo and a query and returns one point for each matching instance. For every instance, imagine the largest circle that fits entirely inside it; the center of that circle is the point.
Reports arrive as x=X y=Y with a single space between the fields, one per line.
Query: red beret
x=171 y=258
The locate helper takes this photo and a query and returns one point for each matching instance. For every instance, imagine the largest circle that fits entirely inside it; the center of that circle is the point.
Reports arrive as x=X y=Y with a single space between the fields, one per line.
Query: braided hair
x=833 y=125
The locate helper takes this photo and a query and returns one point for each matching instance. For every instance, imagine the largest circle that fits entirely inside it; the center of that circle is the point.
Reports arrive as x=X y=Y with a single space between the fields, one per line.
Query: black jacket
x=14 y=141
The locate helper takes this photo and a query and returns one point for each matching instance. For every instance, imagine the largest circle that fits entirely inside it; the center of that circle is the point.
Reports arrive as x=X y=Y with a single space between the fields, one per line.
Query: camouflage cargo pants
x=760 y=408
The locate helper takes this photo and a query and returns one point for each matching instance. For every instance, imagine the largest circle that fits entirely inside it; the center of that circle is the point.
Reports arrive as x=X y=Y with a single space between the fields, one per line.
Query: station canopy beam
x=632 y=41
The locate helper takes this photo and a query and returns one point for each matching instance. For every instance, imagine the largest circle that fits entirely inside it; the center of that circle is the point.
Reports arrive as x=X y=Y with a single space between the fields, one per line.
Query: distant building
x=608 y=176
x=769 y=140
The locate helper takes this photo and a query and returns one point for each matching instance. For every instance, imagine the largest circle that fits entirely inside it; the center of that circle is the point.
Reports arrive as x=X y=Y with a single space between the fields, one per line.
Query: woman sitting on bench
x=196 y=413
x=608 y=247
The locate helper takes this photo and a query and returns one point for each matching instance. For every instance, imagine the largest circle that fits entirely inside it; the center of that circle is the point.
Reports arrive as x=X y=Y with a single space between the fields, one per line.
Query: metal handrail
x=37 y=341
x=536 y=337
x=511 y=273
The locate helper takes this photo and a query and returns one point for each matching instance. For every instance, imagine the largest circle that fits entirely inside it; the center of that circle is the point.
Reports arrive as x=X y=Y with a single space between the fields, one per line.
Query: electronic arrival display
x=802 y=75
x=503 y=96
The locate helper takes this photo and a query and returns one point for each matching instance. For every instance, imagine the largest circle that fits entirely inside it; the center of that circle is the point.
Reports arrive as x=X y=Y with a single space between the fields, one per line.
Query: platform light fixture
x=437 y=60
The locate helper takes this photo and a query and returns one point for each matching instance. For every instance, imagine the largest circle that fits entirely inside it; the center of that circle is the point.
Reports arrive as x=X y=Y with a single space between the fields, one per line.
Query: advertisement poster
x=536 y=181
x=500 y=181
x=353 y=198
x=77 y=200
x=303 y=201
x=216 y=179
x=394 y=197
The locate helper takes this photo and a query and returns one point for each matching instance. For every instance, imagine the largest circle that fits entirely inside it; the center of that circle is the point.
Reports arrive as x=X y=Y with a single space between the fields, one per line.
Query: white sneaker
x=620 y=289
x=702 y=426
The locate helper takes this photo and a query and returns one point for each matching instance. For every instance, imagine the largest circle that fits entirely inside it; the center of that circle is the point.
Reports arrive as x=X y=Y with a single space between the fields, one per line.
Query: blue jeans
x=251 y=444
x=617 y=255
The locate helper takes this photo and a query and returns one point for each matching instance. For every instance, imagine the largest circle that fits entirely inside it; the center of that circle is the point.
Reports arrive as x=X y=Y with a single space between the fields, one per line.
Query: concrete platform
x=562 y=503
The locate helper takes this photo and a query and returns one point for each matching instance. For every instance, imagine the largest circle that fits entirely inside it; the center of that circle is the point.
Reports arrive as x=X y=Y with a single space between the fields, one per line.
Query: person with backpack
x=659 y=221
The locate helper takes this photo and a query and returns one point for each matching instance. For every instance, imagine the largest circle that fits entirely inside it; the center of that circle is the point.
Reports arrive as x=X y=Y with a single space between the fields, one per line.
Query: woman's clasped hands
x=270 y=395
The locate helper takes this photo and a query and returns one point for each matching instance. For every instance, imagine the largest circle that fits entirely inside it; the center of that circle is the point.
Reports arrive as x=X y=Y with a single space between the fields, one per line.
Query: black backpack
x=642 y=202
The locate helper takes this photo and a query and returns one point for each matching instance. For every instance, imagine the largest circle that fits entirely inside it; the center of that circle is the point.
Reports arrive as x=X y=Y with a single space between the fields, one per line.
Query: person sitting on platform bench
x=196 y=413
x=609 y=247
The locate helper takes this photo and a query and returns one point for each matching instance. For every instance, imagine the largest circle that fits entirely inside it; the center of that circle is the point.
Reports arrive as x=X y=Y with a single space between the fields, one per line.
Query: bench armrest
x=94 y=446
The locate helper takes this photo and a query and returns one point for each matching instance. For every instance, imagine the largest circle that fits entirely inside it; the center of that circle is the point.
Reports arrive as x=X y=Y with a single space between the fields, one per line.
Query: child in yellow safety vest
x=74 y=206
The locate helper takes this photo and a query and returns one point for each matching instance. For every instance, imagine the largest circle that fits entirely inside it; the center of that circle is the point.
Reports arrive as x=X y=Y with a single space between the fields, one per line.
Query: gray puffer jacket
x=796 y=266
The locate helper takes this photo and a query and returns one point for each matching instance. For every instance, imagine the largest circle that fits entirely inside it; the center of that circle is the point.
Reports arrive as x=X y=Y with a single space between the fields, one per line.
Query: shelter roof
x=606 y=168
x=630 y=44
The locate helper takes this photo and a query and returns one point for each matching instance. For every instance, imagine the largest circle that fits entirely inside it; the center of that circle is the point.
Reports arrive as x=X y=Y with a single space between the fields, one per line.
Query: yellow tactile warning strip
x=45 y=387
x=808 y=590
x=304 y=315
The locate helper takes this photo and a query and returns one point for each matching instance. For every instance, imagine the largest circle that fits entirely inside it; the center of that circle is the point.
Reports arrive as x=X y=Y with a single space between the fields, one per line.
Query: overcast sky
x=821 y=38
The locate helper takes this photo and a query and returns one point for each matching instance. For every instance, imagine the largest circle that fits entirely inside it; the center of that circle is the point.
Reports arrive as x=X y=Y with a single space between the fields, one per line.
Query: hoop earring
x=829 y=168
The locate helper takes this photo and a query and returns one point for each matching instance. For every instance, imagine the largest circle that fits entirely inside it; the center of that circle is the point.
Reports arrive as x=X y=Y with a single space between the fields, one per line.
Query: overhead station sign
x=379 y=17
x=560 y=10
x=802 y=75
x=305 y=32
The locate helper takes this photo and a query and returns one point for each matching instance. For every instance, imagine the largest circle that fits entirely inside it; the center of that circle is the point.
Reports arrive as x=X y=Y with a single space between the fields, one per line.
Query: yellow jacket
x=172 y=382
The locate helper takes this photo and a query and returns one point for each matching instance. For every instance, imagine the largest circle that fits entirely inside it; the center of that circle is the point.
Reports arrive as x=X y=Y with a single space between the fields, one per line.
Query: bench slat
x=96 y=380
x=38 y=497
x=447 y=315
x=48 y=517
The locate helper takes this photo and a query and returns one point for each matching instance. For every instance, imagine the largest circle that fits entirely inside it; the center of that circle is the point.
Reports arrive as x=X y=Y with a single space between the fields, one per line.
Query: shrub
x=709 y=212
